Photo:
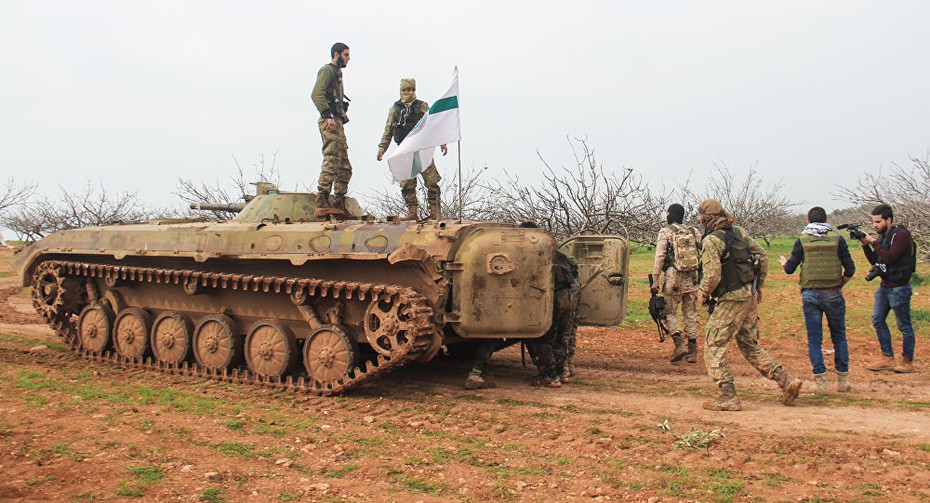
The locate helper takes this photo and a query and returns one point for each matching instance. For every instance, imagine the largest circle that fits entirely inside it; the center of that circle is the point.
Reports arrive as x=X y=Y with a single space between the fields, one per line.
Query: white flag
x=438 y=127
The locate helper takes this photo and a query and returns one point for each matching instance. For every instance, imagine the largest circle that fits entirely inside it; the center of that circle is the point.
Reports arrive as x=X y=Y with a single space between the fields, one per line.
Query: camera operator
x=895 y=254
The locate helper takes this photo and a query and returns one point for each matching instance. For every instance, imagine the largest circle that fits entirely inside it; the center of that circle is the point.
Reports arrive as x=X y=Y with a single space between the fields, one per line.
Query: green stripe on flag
x=444 y=104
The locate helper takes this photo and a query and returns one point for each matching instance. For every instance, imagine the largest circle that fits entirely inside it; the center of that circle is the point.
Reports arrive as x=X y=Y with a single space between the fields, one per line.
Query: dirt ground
x=631 y=428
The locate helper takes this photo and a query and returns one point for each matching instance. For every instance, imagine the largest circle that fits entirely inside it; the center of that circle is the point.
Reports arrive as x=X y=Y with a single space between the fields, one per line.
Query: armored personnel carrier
x=274 y=297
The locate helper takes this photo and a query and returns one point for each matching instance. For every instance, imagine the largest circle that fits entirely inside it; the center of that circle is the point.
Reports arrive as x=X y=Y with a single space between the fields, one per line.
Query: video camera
x=877 y=270
x=854 y=232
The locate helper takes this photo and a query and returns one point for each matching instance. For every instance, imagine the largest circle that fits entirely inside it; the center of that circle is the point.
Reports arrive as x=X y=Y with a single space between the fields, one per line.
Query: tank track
x=420 y=316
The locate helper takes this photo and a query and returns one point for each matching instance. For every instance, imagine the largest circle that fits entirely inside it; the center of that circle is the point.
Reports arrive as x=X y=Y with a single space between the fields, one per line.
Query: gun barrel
x=231 y=207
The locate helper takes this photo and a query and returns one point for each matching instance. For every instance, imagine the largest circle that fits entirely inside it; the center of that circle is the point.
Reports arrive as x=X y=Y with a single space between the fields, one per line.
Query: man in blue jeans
x=827 y=266
x=894 y=257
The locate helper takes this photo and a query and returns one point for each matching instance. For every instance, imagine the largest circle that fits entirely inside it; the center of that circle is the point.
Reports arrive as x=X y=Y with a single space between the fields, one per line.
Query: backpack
x=685 y=256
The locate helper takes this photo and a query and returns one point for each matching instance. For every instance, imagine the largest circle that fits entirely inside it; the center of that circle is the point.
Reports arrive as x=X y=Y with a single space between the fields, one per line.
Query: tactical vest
x=407 y=117
x=822 y=267
x=735 y=263
x=905 y=266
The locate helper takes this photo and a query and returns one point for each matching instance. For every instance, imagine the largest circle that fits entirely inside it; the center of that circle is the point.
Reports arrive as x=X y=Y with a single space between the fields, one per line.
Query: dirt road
x=78 y=431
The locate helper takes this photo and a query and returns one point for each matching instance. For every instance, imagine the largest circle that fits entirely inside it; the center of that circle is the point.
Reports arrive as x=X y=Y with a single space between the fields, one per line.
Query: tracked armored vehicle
x=274 y=297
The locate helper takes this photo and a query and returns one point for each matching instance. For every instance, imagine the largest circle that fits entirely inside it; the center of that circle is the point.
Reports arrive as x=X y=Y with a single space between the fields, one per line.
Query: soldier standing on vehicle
x=330 y=100
x=678 y=249
x=734 y=280
x=825 y=267
x=402 y=117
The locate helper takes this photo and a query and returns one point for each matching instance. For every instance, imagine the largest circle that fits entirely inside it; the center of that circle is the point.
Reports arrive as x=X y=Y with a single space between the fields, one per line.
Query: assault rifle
x=657 y=311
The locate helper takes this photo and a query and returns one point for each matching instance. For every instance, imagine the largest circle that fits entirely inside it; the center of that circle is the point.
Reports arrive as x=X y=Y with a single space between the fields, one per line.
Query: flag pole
x=459 y=151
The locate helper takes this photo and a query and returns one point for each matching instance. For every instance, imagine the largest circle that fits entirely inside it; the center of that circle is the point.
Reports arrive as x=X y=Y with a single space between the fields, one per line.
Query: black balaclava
x=676 y=214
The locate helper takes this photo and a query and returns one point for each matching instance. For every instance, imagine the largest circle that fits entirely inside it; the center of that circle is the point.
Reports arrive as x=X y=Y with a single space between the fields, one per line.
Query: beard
x=341 y=63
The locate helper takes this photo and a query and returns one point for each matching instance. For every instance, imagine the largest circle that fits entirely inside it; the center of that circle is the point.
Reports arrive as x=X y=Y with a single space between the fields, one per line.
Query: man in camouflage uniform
x=551 y=351
x=736 y=314
x=402 y=117
x=330 y=101
x=679 y=287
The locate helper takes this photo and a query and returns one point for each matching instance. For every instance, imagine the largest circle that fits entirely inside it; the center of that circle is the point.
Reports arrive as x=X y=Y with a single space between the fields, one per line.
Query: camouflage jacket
x=392 y=123
x=675 y=282
x=712 y=248
x=328 y=89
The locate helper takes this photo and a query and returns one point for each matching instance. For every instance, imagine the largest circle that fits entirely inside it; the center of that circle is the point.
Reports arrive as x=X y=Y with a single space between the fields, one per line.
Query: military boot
x=885 y=363
x=842 y=385
x=339 y=205
x=692 y=351
x=569 y=370
x=820 y=384
x=475 y=381
x=433 y=211
x=681 y=348
x=323 y=208
x=906 y=366
x=546 y=382
x=412 y=213
x=727 y=401
x=790 y=386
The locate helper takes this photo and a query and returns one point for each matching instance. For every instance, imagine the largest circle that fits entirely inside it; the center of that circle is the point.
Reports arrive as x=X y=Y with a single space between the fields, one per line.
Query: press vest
x=407 y=117
x=821 y=267
x=905 y=266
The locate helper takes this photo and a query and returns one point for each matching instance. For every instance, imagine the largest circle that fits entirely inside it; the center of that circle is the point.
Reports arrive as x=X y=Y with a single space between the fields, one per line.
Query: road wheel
x=94 y=327
x=131 y=332
x=171 y=337
x=330 y=354
x=217 y=343
x=270 y=349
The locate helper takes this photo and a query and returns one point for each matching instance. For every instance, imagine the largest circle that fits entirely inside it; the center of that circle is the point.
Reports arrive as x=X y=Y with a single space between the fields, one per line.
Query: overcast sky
x=137 y=94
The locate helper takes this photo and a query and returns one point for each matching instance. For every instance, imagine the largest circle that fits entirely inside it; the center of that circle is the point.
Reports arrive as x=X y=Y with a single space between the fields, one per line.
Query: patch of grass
x=563 y=461
x=920 y=314
x=86 y=497
x=774 y=479
x=697 y=439
x=235 y=424
x=212 y=495
x=236 y=448
x=342 y=471
x=143 y=478
x=285 y=496
x=724 y=485
x=873 y=489
x=924 y=447
x=433 y=488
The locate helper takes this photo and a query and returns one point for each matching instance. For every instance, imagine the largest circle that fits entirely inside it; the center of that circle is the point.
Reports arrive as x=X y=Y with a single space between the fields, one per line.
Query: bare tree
x=476 y=196
x=13 y=193
x=94 y=206
x=760 y=207
x=241 y=186
x=905 y=188
x=584 y=199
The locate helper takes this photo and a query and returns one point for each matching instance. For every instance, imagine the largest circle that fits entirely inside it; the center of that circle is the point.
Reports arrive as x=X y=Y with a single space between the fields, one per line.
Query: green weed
x=774 y=479
x=212 y=495
x=433 y=488
x=342 y=471
x=236 y=448
x=235 y=424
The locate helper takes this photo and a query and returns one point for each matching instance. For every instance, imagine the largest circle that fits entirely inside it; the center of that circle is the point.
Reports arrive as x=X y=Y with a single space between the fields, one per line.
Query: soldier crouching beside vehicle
x=729 y=270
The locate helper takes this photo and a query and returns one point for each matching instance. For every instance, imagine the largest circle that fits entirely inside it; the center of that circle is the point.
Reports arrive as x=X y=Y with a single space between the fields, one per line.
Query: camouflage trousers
x=689 y=313
x=550 y=351
x=431 y=178
x=738 y=319
x=337 y=170
x=570 y=336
